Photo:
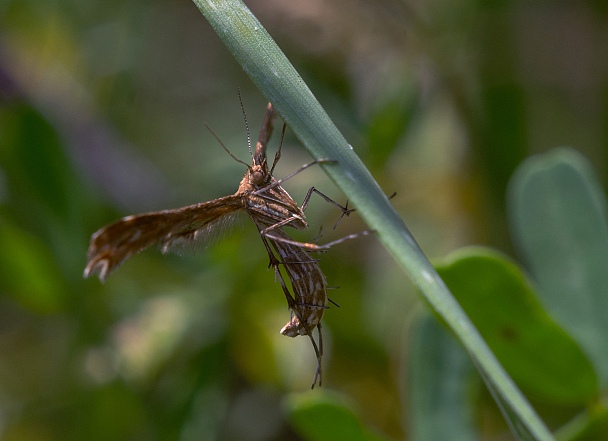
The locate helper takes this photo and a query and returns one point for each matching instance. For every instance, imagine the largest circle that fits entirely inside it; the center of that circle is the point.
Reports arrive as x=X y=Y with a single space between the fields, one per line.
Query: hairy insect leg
x=320 y=342
x=277 y=155
x=313 y=246
x=319 y=352
x=295 y=172
x=345 y=210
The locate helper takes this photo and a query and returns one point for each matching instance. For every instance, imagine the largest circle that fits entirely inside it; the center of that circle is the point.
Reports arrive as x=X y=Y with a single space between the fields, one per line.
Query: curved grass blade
x=278 y=80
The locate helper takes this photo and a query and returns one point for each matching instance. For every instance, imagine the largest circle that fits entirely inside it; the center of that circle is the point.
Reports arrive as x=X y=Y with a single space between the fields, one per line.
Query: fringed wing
x=113 y=244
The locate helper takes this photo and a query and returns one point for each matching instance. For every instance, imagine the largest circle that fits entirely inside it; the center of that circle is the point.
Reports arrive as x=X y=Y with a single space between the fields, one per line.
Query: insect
x=309 y=288
x=308 y=282
x=268 y=205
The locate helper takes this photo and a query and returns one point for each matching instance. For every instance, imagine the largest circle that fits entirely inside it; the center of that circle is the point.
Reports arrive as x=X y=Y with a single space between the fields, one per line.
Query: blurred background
x=102 y=112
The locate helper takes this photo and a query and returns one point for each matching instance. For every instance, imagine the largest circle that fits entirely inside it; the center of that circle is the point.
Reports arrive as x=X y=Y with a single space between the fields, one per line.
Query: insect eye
x=257 y=177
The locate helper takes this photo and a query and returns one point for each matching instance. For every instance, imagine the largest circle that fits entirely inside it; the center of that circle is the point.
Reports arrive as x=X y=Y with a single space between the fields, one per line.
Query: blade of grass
x=278 y=80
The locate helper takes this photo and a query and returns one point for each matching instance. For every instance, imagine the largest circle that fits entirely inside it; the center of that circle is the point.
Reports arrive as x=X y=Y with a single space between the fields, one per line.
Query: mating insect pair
x=268 y=205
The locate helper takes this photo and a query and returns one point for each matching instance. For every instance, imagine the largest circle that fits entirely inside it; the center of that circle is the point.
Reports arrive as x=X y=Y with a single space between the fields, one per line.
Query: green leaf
x=558 y=218
x=439 y=386
x=538 y=354
x=29 y=274
x=37 y=169
x=323 y=416
x=278 y=80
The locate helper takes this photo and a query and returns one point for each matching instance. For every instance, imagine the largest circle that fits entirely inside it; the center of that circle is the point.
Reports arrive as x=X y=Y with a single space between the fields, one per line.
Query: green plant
x=272 y=73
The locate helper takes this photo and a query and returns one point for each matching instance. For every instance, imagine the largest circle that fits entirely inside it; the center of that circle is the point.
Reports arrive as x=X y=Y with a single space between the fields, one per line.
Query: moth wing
x=168 y=229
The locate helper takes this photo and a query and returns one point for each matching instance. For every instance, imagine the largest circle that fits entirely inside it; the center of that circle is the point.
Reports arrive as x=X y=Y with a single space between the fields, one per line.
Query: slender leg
x=315 y=247
x=292 y=174
x=345 y=210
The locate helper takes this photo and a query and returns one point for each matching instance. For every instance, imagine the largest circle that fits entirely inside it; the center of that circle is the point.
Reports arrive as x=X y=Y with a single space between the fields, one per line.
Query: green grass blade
x=440 y=386
x=274 y=75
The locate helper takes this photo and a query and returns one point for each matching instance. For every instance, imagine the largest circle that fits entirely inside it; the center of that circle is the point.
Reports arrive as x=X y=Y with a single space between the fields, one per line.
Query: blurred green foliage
x=541 y=358
x=101 y=115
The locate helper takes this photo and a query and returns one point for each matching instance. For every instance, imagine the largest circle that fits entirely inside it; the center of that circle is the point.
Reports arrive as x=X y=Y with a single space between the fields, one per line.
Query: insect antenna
x=246 y=124
x=224 y=147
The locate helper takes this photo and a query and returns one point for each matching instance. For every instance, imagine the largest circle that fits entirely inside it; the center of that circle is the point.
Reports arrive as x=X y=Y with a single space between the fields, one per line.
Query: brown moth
x=268 y=205
x=308 y=282
x=258 y=194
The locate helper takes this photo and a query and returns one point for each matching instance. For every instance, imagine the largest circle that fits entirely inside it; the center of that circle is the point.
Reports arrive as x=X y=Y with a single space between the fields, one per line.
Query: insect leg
x=315 y=247
x=295 y=310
